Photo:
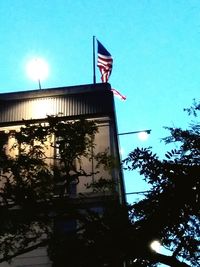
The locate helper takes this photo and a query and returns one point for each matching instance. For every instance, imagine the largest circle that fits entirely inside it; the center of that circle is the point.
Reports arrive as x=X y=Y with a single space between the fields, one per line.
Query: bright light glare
x=155 y=245
x=37 y=69
x=41 y=108
x=143 y=136
x=122 y=151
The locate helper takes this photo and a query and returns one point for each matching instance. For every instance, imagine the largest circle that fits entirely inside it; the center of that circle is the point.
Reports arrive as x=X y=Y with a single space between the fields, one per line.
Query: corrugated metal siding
x=68 y=105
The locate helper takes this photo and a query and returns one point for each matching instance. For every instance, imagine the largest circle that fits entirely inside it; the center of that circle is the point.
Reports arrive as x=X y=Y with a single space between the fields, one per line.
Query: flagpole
x=39 y=83
x=94 y=70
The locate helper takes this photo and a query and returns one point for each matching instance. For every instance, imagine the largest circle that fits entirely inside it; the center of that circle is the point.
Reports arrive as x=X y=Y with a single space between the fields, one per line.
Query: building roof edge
x=57 y=91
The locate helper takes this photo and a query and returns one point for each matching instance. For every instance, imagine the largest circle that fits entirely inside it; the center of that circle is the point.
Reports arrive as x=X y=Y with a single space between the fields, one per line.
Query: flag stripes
x=117 y=94
x=104 y=62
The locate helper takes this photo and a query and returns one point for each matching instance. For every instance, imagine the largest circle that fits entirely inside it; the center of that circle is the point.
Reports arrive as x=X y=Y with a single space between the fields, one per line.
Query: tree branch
x=168 y=260
x=25 y=250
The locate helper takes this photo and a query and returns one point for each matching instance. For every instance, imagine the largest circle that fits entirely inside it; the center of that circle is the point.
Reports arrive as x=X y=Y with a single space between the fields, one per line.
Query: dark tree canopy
x=31 y=187
x=169 y=211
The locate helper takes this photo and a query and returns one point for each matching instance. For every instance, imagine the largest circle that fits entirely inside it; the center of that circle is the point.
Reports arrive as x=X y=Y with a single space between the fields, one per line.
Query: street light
x=37 y=69
x=135 y=132
x=155 y=246
x=142 y=135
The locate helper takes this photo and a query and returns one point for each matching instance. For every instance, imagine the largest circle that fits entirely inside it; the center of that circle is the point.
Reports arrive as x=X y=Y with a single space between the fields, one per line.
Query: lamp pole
x=146 y=132
x=135 y=132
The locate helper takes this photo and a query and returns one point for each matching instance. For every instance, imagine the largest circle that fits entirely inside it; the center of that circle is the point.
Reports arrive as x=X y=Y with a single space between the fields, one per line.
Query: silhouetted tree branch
x=110 y=234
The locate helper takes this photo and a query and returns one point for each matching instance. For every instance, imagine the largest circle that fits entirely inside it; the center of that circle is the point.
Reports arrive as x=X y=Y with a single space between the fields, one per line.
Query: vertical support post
x=39 y=84
x=94 y=70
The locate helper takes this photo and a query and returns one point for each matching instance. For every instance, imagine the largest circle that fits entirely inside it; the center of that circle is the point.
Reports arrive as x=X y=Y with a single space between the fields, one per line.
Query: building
x=92 y=102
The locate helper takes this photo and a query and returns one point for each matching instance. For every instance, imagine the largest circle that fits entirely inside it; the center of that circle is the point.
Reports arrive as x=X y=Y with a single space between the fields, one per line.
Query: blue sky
x=154 y=44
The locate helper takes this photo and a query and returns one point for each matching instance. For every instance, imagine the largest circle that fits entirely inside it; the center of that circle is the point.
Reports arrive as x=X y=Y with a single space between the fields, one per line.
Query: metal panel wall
x=69 y=105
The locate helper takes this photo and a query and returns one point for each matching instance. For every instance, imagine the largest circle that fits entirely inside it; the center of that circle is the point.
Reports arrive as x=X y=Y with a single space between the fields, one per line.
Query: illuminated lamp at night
x=142 y=135
x=37 y=70
x=155 y=245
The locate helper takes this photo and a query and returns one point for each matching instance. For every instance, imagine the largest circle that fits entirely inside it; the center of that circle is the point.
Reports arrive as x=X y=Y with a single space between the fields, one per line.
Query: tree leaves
x=170 y=210
x=29 y=182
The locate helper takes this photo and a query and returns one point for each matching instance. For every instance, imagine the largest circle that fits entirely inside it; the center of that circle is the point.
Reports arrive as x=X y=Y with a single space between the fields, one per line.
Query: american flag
x=104 y=62
x=118 y=94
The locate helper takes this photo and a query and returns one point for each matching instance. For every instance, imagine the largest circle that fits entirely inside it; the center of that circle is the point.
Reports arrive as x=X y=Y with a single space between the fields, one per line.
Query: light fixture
x=155 y=245
x=37 y=70
x=142 y=135
x=136 y=132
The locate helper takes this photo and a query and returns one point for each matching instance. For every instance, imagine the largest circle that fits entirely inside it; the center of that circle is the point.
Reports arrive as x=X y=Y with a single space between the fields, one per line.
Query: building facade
x=92 y=102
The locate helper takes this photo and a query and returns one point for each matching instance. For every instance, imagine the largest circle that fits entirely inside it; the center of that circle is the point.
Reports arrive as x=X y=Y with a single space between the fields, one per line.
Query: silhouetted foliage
x=170 y=210
x=32 y=186
x=106 y=235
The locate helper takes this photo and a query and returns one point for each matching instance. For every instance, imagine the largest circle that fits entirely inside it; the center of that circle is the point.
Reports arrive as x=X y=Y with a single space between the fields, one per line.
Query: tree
x=169 y=211
x=35 y=193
